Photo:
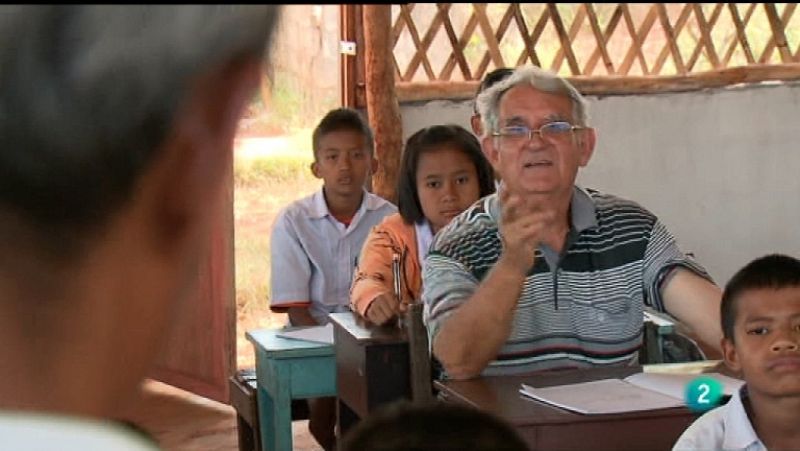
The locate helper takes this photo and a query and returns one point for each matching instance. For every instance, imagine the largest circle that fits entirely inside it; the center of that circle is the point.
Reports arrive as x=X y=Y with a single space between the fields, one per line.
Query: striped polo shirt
x=582 y=308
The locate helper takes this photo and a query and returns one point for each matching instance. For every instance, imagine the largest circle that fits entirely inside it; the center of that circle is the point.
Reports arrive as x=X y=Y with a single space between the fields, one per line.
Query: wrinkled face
x=537 y=164
x=447 y=183
x=766 y=345
x=344 y=162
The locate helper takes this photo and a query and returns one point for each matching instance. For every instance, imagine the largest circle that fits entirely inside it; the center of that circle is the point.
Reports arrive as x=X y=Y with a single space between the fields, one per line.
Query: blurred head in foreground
x=404 y=426
x=116 y=131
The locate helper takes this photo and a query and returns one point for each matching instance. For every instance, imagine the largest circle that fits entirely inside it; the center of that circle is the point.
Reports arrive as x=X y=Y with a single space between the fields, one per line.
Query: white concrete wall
x=304 y=62
x=720 y=167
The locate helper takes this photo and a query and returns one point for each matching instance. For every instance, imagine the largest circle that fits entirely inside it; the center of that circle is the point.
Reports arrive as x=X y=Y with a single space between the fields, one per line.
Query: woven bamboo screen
x=444 y=49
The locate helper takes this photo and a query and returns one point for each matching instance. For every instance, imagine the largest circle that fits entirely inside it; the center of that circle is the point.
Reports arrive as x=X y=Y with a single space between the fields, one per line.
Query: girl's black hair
x=434 y=138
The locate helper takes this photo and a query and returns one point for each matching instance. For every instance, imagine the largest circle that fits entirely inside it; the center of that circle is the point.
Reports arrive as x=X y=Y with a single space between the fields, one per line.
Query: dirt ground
x=181 y=421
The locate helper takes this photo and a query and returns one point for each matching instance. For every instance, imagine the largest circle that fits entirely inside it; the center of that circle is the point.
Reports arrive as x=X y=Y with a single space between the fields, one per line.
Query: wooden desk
x=372 y=366
x=288 y=369
x=546 y=427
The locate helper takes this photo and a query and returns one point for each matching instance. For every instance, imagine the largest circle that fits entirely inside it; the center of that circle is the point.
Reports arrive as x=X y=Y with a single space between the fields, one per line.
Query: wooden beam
x=492 y=44
x=347 y=63
x=522 y=27
x=421 y=44
x=439 y=90
x=397 y=28
x=574 y=28
x=612 y=25
x=690 y=82
x=566 y=45
x=472 y=23
x=672 y=39
x=498 y=37
x=600 y=39
x=705 y=36
x=618 y=85
x=740 y=33
x=638 y=39
x=361 y=77
x=778 y=37
x=382 y=106
x=444 y=10
x=700 y=44
x=534 y=38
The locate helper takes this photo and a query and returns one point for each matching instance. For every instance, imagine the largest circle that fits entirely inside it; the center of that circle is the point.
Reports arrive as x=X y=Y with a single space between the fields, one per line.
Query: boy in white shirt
x=761 y=326
x=316 y=240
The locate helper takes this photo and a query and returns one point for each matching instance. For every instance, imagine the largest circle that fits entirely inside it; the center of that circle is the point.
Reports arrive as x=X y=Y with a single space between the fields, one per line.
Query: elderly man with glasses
x=545 y=274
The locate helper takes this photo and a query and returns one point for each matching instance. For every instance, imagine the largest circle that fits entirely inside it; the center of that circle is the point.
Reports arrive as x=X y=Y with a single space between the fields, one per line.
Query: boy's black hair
x=439 y=426
x=433 y=138
x=771 y=271
x=338 y=120
x=489 y=80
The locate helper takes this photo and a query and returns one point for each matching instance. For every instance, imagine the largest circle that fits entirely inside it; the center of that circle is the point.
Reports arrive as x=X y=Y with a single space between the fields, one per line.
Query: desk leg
x=345 y=418
x=275 y=420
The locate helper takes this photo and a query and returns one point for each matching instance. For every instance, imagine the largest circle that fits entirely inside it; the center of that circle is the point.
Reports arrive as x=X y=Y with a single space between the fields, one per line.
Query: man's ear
x=491 y=152
x=730 y=356
x=586 y=143
x=186 y=182
x=475 y=122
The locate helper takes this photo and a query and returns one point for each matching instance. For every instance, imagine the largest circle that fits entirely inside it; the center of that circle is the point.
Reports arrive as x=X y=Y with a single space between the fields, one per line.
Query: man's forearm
x=471 y=337
x=694 y=301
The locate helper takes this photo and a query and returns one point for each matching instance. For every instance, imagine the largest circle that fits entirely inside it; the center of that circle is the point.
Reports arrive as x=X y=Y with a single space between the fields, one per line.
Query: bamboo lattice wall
x=443 y=50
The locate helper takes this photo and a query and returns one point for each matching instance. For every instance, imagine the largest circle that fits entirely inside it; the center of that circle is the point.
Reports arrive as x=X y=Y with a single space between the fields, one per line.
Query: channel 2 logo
x=703 y=393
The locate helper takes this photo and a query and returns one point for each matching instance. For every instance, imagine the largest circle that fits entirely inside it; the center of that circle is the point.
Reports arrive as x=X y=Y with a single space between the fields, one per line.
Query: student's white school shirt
x=424 y=239
x=723 y=428
x=25 y=431
x=313 y=255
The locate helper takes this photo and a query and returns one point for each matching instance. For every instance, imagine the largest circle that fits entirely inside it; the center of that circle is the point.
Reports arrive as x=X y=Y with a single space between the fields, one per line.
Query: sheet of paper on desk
x=640 y=391
x=674 y=384
x=601 y=397
x=319 y=334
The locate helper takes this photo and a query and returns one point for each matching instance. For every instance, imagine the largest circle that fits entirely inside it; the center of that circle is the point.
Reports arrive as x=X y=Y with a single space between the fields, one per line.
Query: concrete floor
x=182 y=421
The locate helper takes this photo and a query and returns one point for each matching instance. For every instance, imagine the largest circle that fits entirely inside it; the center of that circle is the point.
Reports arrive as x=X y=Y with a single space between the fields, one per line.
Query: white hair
x=546 y=81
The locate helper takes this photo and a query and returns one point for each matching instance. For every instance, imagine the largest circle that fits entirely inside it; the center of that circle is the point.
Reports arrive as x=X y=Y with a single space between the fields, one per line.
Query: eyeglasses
x=552 y=131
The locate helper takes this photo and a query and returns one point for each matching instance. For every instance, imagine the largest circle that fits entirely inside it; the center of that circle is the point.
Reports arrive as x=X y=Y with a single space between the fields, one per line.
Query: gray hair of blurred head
x=541 y=80
x=90 y=93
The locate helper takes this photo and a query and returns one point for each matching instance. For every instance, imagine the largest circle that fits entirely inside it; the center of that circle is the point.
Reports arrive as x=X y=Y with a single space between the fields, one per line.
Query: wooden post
x=383 y=110
x=419 y=355
x=347 y=20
